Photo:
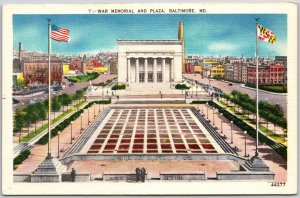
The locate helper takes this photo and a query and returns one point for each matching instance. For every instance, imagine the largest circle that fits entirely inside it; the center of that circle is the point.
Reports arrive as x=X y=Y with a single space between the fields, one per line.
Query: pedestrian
x=73 y=175
x=143 y=174
x=137 y=174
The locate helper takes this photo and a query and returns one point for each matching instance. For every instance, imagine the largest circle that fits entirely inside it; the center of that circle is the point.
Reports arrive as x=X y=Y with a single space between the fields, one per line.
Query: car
x=71 y=84
x=15 y=101
x=230 y=84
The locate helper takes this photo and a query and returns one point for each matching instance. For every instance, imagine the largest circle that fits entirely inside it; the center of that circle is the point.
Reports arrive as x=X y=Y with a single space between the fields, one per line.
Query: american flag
x=60 y=34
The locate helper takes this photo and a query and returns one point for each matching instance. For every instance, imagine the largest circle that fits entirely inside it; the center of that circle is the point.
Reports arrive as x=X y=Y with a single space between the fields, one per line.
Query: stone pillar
x=172 y=69
x=128 y=70
x=146 y=70
x=163 y=70
x=155 y=70
x=137 y=72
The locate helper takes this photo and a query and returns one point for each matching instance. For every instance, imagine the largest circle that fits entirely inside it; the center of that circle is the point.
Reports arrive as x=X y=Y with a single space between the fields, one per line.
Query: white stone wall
x=170 y=50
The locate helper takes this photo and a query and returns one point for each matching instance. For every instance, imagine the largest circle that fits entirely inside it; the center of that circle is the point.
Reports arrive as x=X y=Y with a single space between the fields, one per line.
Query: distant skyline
x=205 y=34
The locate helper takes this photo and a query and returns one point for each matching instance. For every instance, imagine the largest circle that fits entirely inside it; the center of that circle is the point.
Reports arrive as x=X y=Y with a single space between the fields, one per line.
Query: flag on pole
x=60 y=34
x=265 y=34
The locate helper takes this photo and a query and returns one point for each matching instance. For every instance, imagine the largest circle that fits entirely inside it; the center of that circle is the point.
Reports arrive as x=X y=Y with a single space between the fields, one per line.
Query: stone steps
x=223 y=144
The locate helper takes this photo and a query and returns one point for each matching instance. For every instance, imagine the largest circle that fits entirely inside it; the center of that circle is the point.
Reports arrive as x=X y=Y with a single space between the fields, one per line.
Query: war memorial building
x=149 y=61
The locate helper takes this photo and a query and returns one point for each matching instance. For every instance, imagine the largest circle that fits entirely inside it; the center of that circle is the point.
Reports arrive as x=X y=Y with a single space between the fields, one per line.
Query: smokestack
x=20 y=56
x=181 y=38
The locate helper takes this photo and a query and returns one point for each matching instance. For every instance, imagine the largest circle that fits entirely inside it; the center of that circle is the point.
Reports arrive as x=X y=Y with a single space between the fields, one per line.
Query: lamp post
x=196 y=90
x=214 y=116
x=202 y=108
x=94 y=110
x=221 y=123
x=89 y=115
x=245 y=132
x=58 y=133
x=81 y=123
x=71 y=132
x=231 y=132
x=99 y=107
x=207 y=111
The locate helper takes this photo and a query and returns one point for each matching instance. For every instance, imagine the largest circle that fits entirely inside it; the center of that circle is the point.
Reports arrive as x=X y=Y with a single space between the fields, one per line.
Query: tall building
x=36 y=72
x=181 y=38
x=283 y=60
x=263 y=74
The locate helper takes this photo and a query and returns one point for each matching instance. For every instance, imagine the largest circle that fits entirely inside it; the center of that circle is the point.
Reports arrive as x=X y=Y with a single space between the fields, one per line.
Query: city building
x=217 y=71
x=198 y=69
x=282 y=60
x=36 y=72
x=263 y=74
x=244 y=74
x=229 y=72
x=149 y=61
x=277 y=74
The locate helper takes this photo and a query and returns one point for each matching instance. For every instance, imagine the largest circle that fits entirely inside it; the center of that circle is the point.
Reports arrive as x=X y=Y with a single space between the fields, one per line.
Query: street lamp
x=202 y=108
x=196 y=90
x=71 y=131
x=58 y=133
x=221 y=123
x=81 y=123
x=231 y=131
x=245 y=132
x=207 y=111
x=89 y=115
x=99 y=107
x=94 y=110
x=213 y=115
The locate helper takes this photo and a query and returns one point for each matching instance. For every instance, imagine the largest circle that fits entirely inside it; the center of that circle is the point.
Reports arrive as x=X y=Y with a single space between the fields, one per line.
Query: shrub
x=181 y=86
x=21 y=157
x=118 y=87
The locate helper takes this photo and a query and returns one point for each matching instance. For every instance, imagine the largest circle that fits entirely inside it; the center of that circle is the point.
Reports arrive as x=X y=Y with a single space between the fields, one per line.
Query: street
x=224 y=86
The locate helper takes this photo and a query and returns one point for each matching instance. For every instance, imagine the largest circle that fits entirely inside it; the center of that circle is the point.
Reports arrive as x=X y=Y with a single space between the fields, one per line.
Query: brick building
x=36 y=72
x=277 y=74
x=263 y=74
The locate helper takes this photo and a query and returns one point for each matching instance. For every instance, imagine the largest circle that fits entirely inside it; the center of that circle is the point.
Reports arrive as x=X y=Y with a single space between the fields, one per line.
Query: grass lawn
x=272 y=135
x=271 y=88
x=45 y=126
x=83 y=78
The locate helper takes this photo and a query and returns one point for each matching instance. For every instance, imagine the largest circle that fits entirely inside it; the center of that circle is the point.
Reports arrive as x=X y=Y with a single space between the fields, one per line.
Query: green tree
x=41 y=111
x=65 y=100
x=32 y=114
x=55 y=105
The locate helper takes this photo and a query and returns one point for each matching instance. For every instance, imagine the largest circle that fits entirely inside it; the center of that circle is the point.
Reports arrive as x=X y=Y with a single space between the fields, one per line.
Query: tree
x=41 y=111
x=19 y=121
x=55 y=105
x=65 y=100
x=32 y=115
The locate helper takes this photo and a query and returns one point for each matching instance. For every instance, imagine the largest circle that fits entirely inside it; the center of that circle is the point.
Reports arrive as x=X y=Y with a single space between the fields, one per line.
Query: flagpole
x=257 y=113
x=49 y=89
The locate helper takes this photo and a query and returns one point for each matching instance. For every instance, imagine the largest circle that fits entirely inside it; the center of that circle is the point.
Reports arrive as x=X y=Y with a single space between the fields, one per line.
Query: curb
x=273 y=93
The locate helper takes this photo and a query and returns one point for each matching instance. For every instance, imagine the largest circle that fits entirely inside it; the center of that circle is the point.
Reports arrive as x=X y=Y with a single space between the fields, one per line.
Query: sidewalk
x=276 y=163
x=39 y=152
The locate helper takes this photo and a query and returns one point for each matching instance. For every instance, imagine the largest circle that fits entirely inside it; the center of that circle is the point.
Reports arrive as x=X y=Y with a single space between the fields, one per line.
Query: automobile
x=71 y=84
x=230 y=84
x=15 y=101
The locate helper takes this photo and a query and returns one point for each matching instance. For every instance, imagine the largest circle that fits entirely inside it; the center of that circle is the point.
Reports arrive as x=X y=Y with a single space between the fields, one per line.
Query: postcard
x=149 y=99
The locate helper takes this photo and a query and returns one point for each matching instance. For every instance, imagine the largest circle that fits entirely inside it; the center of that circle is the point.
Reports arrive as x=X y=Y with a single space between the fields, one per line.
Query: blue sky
x=205 y=34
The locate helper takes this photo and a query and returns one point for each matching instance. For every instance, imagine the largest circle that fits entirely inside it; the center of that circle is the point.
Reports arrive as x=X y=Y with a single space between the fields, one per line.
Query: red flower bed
x=109 y=146
x=108 y=151
x=151 y=140
x=181 y=151
x=179 y=146
x=167 y=151
x=125 y=141
x=139 y=136
x=96 y=146
x=166 y=146
x=194 y=146
x=138 y=140
x=207 y=146
x=137 y=151
x=196 y=151
x=124 y=146
x=114 y=136
x=90 y=151
x=151 y=146
x=211 y=151
x=99 y=141
x=152 y=151
x=122 y=151
x=138 y=146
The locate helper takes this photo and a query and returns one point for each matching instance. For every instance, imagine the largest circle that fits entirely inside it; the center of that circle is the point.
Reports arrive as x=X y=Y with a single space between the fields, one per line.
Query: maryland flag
x=265 y=34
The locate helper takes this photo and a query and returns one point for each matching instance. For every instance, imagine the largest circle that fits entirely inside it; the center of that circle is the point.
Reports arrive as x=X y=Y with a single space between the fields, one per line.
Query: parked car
x=71 y=84
x=230 y=84
x=15 y=101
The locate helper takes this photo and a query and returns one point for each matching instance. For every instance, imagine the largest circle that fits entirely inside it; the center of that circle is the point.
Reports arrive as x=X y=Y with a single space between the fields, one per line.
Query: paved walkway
x=276 y=163
x=39 y=152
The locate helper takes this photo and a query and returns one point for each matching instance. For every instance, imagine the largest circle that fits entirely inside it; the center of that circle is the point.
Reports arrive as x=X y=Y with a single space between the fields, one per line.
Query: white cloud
x=221 y=46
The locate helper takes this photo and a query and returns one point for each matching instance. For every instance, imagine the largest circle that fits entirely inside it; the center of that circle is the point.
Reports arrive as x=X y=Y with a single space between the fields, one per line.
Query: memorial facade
x=149 y=61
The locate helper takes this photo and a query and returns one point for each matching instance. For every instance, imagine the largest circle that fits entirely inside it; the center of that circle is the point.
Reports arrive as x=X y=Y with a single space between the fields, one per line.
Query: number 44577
x=278 y=184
